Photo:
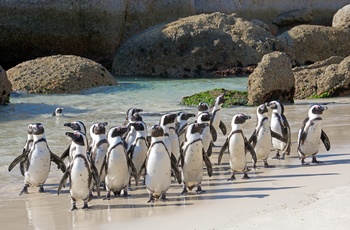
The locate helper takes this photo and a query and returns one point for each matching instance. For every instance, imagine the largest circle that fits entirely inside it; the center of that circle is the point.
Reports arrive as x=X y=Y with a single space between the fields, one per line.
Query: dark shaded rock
x=5 y=87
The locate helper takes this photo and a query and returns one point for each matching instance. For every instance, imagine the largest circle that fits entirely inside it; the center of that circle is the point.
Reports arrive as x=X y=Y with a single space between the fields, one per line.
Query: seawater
x=154 y=95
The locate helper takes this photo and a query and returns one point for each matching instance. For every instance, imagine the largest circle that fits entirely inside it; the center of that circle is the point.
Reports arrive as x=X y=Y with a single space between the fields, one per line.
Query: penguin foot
x=266 y=165
x=199 y=190
x=184 y=191
x=151 y=199
x=24 y=190
x=86 y=206
x=314 y=160
x=41 y=189
x=277 y=156
x=108 y=196
x=245 y=176
x=303 y=162
x=91 y=196
x=74 y=207
x=163 y=197
x=232 y=178
x=125 y=193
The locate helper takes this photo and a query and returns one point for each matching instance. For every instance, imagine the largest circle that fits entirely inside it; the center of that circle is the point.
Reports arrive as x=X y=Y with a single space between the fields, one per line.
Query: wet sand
x=289 y=196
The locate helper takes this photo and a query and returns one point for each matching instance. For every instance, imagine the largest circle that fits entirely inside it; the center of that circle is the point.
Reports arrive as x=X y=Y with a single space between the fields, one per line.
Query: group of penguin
x=174 y=150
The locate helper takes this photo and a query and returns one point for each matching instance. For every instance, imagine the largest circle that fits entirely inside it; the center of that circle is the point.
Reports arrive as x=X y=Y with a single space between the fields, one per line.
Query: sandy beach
x=289 y=196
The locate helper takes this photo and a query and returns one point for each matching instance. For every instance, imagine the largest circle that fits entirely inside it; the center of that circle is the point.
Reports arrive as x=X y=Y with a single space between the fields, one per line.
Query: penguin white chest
x=276 y=127
x=312 y=140
x=192 y=170
x=118 y=173
x=139 y=154
x=158 y=168
x=80 y=179
x=206 y=137
x=263 y=145
x=237 y=153
x=39 y=166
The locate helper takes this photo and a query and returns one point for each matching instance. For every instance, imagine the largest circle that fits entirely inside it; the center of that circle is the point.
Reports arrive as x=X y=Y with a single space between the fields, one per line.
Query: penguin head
x=156 y=131
x=77 y=137
x=316 y=110
x=203 y=107
x=220 y=99
x=139 y=126
x=37 y=129
x=204 y=118
x=30 y=129
x=196 y=128
x=99 y=128
x=240 y=118
x=168 y=118
x=131 y=112
x=136 y=117
x=262 y=109
x=77 y=125
x=276 y=105
x=117 y=131
x=58 y=112
x=183 y=116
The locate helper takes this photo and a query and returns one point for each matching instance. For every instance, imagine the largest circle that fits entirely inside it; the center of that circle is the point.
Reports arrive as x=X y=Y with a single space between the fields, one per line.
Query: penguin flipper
x=131 y=151
x=143 y=167
x=133 y=170
x=63 y=180
x=223 y=128
x=250 y=148
x=181 y=131
x=278 y=137
x=325 y=140
x=21 y=167
x=20 y=158
x=213 y=133
x=96 y=180
x=65 y=154
x=58 y=161
x=207 y=163
x=253 y=139
x=222 y=150
x=176 y=171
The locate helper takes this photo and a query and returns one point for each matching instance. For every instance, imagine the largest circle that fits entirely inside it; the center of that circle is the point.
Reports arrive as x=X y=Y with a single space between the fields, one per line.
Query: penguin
x=203 y=108
x=99 y=146
x=76 y=126
x=58 y=112
x=158 y=166
x=118 y=166
x=171 y=140
x=261 y=137
x=216 y=121
x=38 y=160
x=208 y=133
x=192 y=158
x=181 y=123
x=310 y=133
x=237 y=145
x=79 y=172
x=138 y=150
x=26 y=149
x=130 y=135
x=280 y=125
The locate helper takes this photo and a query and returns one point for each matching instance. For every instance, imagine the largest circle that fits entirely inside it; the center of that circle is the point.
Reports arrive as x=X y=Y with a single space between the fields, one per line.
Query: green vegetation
x=232 y=98
x=322 y=95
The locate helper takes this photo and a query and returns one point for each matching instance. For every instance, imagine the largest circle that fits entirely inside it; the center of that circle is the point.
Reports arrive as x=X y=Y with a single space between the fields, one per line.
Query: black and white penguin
x=280 y=125
x=181 y=123
x=208 y=133
x=203 y=107
x=192 y=158
x=171 y=139
x=158 y=166
x=216 y=121
x=138 y=150
x=130 y=135
x=98 y=147
x=26 y=149
x=38 y=160
x=118 y=166
x=79 y=172
x=76 y=126
x=58 y=112
x=237 y=145
x=261 y=137
x=311 y=133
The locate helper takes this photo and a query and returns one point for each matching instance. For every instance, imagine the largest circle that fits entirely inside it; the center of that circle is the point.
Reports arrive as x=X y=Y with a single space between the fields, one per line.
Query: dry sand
x=289 y=196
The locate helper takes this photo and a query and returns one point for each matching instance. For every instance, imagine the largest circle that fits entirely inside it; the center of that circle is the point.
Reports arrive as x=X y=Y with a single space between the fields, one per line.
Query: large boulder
x=327 y=78
x=195 y=47
x=293 y=17
x=5 y=87
x=59 y=74
x=341 y=19
x=272 y=79
x=312 y=43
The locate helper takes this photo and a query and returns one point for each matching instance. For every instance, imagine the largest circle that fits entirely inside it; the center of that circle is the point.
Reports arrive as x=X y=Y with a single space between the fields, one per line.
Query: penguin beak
x=246 y=117
x=68 y=124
